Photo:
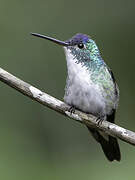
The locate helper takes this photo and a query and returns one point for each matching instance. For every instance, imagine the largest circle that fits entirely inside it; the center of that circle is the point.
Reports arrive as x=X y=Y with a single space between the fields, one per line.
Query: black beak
x=51 y=39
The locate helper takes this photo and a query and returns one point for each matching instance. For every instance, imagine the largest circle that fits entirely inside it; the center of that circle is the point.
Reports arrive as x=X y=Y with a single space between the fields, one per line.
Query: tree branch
x=61 y=107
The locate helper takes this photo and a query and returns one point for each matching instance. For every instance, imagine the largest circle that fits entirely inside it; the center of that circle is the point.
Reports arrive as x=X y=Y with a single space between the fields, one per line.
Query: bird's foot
x=71 y=109
x=100 y=119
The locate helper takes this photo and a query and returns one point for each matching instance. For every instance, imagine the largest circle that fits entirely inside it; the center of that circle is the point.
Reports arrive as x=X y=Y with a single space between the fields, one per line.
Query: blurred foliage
x=37 y=143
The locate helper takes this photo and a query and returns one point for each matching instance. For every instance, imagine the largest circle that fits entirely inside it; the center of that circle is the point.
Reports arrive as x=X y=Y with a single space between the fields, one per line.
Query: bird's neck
x=92 y=61
x=96 y=60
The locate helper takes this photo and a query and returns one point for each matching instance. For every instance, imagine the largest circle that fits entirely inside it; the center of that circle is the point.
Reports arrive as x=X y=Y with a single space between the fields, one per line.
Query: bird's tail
x=108 y=143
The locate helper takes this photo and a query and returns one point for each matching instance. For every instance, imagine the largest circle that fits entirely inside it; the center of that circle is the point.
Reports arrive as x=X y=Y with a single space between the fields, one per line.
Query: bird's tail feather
x=108 y=143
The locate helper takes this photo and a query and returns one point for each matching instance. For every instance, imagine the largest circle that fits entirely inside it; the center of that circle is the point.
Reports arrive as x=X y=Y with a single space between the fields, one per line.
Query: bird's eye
x=81 y=45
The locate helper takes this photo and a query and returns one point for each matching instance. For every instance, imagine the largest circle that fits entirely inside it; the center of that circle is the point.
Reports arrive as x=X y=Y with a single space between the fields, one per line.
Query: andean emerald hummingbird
x=90 y=86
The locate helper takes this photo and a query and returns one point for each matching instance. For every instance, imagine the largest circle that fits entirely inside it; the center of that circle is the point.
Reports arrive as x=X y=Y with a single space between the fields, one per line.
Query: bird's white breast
x=80 y=91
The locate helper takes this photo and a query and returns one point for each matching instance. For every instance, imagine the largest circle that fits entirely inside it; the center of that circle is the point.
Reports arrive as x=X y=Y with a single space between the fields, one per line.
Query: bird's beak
x=62 y=43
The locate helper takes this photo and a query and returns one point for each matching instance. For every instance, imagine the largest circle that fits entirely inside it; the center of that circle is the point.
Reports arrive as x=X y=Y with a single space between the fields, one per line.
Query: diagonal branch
x=61 y=107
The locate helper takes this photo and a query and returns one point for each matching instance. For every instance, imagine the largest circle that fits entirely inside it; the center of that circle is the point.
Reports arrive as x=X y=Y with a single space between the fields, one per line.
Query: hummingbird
x=90 y=87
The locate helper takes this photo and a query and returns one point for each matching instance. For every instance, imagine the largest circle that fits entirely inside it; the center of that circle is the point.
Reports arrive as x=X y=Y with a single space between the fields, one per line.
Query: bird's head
x=81 y=47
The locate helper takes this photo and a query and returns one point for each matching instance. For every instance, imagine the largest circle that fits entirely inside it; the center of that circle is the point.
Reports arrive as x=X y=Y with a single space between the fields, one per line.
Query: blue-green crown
x=78 y=39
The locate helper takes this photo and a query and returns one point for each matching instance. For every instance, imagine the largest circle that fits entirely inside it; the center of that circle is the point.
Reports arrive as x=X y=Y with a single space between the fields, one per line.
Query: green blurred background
x=38 y=143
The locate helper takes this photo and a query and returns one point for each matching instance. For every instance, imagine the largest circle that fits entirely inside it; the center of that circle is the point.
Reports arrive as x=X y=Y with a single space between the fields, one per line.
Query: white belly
x=80 y=91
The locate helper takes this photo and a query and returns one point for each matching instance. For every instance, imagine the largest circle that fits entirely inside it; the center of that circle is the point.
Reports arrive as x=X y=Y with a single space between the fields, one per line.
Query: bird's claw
x=71 y=109
x=99 y=120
